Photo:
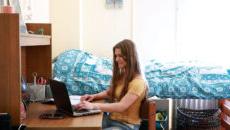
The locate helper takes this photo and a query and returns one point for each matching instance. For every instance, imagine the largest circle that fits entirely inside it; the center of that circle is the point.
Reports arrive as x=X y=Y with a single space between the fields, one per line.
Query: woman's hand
x=86 y=105
x=87 y=97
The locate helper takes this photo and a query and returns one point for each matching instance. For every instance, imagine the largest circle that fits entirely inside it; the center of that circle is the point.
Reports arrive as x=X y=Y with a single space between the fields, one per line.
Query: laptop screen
x=61 y=96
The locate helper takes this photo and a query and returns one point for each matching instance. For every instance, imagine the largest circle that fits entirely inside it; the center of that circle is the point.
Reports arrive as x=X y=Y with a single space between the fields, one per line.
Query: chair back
x=148 y=112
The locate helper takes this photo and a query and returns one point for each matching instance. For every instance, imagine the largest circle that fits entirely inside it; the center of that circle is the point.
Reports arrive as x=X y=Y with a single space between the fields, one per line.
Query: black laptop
x=62 y=100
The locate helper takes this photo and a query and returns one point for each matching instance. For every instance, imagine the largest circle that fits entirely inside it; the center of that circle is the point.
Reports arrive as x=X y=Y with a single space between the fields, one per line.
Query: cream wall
x=64 y=16
x=89 y=25
x=104 y=27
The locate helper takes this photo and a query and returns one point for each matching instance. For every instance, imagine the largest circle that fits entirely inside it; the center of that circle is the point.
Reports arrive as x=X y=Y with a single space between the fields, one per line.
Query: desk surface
x=33 y=122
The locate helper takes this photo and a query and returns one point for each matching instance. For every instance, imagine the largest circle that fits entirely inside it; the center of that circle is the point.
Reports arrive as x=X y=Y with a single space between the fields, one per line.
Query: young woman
x=126 y=92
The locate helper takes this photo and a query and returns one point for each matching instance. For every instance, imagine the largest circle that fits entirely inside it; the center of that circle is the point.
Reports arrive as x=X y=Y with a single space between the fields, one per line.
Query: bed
x=85 y=73
x=191 y=84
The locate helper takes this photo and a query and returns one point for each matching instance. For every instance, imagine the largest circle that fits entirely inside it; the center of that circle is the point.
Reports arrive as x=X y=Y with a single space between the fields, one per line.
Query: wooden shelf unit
x=37 y=58
x=10 y=66
x=16 y=60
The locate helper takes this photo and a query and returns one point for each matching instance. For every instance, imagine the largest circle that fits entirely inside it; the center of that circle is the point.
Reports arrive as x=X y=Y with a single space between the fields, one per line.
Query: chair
x=148 y=112
x=225 y=114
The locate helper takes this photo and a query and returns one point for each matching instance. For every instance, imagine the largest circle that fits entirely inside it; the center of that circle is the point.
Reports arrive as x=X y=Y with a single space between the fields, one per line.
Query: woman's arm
x=121 y=106
x=101 y=95
x=98 y=96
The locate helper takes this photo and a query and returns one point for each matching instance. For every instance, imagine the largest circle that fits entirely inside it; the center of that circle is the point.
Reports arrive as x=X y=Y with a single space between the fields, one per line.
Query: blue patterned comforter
x=84 y=73
x=187 y=80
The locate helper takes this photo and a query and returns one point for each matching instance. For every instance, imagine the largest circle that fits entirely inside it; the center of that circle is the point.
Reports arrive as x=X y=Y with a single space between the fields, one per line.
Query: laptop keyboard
x=85 y=112
x=80 y=111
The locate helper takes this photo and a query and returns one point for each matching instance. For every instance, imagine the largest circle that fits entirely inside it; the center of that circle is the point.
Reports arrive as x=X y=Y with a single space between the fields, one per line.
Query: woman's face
x=119 y=58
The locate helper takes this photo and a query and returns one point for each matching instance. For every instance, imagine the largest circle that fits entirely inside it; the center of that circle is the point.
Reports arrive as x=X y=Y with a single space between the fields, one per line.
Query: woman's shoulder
x=138 y=79
x=137 y=84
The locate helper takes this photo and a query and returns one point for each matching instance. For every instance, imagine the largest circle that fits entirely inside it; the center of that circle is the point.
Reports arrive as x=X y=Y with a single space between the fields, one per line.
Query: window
x=183 y=30
x=203 y=30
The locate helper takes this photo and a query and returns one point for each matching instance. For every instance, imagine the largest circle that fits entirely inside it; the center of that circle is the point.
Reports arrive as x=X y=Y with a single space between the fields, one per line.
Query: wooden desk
x=91 y=122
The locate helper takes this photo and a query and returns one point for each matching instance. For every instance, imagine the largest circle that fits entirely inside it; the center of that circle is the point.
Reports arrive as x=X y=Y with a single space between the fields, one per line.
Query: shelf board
x=34 y=39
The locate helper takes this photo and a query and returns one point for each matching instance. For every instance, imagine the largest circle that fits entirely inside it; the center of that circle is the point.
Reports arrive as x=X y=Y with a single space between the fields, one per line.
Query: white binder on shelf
x=34 y=39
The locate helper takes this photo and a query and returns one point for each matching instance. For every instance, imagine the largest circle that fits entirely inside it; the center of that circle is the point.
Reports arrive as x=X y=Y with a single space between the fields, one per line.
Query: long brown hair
x=132 y=67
